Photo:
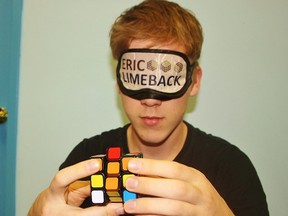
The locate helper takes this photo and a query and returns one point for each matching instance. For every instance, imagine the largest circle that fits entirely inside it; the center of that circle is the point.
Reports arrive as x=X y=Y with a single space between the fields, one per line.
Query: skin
x=158 y=131
x=190 y=193
x=65 y=194
x=157 y=128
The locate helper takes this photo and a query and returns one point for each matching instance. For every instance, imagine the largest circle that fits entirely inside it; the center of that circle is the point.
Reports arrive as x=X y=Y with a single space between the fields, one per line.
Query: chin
x=153 y=138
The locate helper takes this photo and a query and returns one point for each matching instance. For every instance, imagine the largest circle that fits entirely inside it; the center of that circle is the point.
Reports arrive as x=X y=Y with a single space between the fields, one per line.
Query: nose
x=150 y=102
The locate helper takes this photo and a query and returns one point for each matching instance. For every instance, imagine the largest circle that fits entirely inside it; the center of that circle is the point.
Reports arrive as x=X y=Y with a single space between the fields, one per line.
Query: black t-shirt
x=228 y=169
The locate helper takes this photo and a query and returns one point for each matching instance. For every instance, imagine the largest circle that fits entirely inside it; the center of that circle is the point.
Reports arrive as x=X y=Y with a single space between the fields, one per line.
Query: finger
x=167 y=188
x=80 y=186
x=77 y=192
x=112 y=209
x=68 y=175
x=159 y=206
x=165 y=169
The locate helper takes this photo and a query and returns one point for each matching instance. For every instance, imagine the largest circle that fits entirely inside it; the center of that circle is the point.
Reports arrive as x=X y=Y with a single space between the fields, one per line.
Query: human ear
x=196 y=80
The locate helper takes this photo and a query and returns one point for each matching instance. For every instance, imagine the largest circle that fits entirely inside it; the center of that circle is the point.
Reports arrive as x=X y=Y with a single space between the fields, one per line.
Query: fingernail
x=134 y=165
x=93 y=165
x=130 y=205
x=120 y=211
x=131 y=183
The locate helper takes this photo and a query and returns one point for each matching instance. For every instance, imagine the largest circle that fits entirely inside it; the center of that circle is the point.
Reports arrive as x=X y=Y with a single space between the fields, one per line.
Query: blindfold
x=154 y=73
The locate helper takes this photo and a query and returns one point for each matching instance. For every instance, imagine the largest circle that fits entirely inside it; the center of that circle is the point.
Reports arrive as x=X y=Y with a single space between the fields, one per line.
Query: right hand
x=65 y=194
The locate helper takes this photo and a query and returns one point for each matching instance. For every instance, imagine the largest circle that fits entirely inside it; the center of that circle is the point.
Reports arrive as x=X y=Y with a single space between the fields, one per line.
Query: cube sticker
x=109 y=183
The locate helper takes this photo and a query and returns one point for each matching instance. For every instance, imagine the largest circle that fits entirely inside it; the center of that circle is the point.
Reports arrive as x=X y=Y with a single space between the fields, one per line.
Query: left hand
x=65 y=194
x=172 y=189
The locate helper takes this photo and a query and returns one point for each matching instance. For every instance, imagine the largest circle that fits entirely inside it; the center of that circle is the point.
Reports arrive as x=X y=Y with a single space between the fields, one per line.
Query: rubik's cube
x=109 y=183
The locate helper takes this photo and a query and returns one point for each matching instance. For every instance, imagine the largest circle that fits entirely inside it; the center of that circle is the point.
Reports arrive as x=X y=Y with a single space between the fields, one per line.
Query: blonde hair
x=159 y=21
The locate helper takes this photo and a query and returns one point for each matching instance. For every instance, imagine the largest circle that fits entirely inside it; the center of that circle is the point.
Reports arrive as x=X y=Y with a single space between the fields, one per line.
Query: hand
x=172 y=189
x=65 y=194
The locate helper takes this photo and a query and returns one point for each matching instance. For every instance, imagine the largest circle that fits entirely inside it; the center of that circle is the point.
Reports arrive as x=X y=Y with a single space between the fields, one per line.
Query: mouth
x=151 y=120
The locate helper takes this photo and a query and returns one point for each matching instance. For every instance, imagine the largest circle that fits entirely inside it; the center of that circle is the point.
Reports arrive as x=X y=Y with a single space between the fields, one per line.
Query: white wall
x=67 y=90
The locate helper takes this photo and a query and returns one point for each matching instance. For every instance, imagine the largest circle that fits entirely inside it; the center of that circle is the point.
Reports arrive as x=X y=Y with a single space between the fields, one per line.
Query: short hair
x=159 y=21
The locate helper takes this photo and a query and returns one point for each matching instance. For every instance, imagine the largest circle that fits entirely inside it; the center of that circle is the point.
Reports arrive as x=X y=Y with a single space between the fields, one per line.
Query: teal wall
x=10 y=31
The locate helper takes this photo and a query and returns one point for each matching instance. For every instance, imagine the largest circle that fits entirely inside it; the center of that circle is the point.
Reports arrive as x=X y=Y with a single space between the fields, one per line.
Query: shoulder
x=229 y=170
x=210 y=145
x=221 y=161
x=214 y=154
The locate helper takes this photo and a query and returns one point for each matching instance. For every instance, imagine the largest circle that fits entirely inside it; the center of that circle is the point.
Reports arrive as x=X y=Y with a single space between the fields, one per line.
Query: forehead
x=140 y=44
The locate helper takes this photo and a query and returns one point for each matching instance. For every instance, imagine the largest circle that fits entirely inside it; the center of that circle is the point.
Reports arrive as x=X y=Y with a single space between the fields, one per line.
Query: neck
x=168 y=149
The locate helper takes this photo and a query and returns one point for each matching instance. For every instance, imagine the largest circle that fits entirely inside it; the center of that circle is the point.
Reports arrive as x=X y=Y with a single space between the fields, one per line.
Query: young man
x=184 y=171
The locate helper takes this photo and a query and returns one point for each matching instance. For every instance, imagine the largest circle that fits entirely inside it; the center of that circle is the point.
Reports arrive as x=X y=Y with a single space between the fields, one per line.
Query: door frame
x=10 y=40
